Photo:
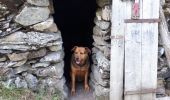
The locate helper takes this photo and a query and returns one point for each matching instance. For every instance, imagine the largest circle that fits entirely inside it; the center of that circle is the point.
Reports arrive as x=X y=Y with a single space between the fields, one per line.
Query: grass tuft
x=25 y=94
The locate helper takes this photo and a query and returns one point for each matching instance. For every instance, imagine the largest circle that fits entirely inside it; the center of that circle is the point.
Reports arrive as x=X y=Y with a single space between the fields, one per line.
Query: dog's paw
x=86 y=88
x=73 y=92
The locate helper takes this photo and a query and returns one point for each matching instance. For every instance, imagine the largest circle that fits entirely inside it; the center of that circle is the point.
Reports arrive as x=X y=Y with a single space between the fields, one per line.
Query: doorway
x=74 y=19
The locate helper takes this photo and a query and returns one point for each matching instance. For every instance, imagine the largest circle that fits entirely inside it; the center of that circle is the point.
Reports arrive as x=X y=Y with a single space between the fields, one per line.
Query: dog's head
x=80 y=54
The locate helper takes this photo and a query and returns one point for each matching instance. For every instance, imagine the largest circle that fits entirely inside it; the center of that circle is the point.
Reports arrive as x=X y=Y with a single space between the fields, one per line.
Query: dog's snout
x=77 y=58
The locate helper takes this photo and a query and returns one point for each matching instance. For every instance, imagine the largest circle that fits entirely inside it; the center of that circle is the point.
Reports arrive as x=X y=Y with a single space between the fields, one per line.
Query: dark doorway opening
x=74 y=19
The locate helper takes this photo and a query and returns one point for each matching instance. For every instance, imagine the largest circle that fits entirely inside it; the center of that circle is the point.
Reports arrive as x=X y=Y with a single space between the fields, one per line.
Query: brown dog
x=80 y=67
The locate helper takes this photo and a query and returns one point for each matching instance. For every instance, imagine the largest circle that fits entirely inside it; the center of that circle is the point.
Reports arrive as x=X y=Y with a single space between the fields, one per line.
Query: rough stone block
x=102 y=3
x=29 y=41
x=41 y=65
x=99 y=32
x=53 y=57
x=98 y=77
x=45 y=25
x=39 y=2
x=21 y=69
x=106 y=13
x=18 y=56
x=36 y=54
x=55 y=48
x=104 y=25
x=31 y=81
x=30 y=15
x=3 y=58
x=55 y=70
x=20 y=83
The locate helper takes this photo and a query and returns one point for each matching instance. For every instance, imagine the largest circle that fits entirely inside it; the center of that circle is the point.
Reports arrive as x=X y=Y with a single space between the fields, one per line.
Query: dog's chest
x=80 y=72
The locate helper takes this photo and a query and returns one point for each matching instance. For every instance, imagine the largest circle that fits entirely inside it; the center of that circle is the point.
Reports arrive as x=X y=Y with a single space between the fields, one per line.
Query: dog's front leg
x=73 y=91
x=86 y=86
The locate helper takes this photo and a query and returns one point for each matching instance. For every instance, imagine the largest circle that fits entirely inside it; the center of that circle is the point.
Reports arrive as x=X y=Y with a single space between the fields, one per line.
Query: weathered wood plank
x=149 y=48
x=163 y=98
x=149 y=59
x=117 y=50
x=133 y=60
x=141 y=73
x=136 y=64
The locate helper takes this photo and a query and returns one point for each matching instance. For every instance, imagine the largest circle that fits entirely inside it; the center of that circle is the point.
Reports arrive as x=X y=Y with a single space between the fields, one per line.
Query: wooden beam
x=163 y=98
x=117 y=50
x=143 y=91
x=142 y=20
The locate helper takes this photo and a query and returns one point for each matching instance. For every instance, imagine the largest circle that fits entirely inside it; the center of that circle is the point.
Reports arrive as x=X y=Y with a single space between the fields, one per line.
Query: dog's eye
x=81 y=53
x=76 y=53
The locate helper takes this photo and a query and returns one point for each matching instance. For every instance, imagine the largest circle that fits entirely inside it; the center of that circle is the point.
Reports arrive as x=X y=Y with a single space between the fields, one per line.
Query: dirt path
x=81 y=94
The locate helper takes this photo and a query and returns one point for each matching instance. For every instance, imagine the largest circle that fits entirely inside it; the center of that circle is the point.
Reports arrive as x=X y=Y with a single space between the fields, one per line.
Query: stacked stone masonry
x=100 y=75
x=31 y=52
x=163 y=77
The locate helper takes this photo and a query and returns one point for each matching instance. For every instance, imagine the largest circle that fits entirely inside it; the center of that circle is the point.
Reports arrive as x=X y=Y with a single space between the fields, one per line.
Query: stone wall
x=32 y=53
x=100 y=76
x=30 y=46
x=163 y=82
x=162 y=69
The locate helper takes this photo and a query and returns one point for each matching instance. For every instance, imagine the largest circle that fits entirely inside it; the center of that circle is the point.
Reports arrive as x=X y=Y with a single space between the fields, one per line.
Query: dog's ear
x=88 y=50
x=74 y=48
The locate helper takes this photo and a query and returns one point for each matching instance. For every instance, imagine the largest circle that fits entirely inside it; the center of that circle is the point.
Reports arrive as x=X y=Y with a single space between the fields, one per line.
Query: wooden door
x=134 y=45
x=141 y=44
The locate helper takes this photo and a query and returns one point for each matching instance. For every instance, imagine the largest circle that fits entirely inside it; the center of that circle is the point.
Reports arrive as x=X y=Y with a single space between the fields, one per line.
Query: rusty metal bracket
x=142 y=20
x=143 y=91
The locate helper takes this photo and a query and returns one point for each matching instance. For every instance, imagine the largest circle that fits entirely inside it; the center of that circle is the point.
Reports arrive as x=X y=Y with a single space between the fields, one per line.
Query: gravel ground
x=81 y=94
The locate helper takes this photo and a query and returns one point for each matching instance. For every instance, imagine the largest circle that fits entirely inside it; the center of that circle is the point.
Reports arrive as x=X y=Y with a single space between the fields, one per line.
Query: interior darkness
x=74 y=19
